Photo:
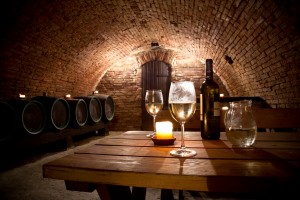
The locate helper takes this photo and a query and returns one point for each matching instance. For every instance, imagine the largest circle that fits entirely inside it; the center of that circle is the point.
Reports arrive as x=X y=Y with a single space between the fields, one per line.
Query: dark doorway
x=155 y=75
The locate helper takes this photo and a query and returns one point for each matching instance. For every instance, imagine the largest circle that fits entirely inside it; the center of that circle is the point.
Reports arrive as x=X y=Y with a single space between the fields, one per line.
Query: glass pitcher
x=240 y=125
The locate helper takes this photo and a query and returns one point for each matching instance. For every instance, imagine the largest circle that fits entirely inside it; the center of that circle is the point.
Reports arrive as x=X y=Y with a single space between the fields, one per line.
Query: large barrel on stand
x=8 y=121
x=108 y=107
x=94 y=108
x=57 y=110
x=79 y=112
x=31 y=116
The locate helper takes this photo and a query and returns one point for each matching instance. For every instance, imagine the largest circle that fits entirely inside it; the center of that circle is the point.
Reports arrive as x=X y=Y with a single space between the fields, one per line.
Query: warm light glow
x=67 y=96
x=225 y=108
x=95 y=92
x=221 y=95
x=164 y=130
x=22 y=96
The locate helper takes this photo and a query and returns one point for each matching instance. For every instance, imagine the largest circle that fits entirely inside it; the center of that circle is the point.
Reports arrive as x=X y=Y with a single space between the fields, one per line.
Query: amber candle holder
x=164 y=133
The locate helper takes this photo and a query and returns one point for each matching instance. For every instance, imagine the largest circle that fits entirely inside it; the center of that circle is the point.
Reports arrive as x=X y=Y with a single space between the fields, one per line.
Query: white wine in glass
x=153 y=104
x=182 y=105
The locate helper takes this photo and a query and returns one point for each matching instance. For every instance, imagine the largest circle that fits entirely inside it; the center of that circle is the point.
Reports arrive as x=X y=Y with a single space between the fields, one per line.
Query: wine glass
x=182 y=105
x=153 y=103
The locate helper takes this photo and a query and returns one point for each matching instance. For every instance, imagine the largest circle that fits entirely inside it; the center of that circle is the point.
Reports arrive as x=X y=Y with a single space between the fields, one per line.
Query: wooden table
x=131 y=159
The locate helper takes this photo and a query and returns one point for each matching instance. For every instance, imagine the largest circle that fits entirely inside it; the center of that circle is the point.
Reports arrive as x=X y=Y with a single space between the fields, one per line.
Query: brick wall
x=124 y=84
x=74 y=47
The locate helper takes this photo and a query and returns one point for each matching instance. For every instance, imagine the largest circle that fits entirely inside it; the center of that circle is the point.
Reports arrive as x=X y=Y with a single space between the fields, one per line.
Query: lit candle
x=164 y=130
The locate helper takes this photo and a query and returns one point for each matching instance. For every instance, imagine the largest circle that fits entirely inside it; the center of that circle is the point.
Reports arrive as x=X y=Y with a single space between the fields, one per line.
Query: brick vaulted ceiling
x=64 y=46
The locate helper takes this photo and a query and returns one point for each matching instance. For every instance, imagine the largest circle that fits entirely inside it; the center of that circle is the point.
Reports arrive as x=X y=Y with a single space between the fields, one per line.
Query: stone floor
x=23 y=180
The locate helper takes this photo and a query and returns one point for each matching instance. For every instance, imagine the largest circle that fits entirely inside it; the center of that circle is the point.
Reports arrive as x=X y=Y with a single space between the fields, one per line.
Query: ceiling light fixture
x=154 y=45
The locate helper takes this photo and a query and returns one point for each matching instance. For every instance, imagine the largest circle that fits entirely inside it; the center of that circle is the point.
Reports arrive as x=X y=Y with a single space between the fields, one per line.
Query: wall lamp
x=22 y=96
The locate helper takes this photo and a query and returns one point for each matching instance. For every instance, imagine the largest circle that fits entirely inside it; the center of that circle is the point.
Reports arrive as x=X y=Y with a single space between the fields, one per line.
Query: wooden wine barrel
x=79 y=112
x=57 y=111
x=108 y=107
x=31 y=115
x=94 y=108
x=8 y=121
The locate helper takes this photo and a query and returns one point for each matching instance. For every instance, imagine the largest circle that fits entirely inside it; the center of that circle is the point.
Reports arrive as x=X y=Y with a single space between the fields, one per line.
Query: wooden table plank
x=197 y=143
x=156 y=151
x=268 y=136
x=114 y=169
x=197 y=167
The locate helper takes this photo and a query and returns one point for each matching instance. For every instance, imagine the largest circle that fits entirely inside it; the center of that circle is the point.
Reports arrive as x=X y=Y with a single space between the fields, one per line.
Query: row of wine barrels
x=101 y=107
x=94 y=108
x=53 y=114
x=97 y=108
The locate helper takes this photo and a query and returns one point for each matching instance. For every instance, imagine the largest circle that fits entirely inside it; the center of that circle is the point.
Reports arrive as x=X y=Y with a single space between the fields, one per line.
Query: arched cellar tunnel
x=77 y=47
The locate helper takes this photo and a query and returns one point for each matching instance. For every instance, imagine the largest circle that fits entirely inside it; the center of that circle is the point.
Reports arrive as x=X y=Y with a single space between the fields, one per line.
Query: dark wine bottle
x=210 y=105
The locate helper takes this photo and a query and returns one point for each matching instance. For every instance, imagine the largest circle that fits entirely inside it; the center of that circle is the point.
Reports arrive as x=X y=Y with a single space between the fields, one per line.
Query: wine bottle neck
x=209 y=69
x=209 y=76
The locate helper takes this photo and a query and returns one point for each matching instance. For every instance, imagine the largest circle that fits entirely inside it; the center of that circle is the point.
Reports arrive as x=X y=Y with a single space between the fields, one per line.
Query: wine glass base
x=183 y=153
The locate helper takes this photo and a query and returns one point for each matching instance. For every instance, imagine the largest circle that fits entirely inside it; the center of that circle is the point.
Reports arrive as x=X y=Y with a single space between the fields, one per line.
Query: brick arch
x=66 y=46
x=159 y=54
x=173 y=57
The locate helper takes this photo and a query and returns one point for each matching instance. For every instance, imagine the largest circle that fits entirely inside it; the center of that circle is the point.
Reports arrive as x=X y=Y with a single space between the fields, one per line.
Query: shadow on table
x=262 y=188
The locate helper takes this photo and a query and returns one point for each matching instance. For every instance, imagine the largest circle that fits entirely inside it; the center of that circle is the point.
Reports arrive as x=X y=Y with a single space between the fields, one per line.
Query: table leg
x=180 y=196
x=139 y=193
x=79 y=186
x=166 y=194
x=113 y=192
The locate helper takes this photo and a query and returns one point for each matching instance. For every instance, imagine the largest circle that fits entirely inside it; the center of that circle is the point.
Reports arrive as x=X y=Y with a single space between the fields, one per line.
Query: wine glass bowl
x=182 y=105
x=153 y=104
x=182 y=112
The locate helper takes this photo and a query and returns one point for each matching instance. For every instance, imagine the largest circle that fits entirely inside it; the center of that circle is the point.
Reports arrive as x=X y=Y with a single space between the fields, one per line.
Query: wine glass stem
x=154 y=127
x=182 y=138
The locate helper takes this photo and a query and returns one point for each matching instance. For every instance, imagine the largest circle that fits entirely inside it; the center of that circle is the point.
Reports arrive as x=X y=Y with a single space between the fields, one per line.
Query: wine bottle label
x=216 y=108
x=201 y=107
